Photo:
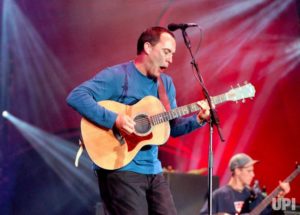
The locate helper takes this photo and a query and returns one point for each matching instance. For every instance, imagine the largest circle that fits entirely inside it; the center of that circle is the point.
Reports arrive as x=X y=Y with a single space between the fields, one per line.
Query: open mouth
x=163 y=68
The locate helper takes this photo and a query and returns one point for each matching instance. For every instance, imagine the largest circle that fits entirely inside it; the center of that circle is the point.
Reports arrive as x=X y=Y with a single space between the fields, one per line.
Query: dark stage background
x=49 y=47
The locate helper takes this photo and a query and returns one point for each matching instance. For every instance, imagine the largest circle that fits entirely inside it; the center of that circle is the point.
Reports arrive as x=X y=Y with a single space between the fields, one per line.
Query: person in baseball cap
x=233 y=197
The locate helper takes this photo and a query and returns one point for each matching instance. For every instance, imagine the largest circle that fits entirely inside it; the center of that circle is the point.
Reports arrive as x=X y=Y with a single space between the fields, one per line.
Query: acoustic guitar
x=111 y=149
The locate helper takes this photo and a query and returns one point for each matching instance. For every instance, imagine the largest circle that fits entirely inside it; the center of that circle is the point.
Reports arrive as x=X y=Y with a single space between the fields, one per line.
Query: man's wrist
x=201 y=120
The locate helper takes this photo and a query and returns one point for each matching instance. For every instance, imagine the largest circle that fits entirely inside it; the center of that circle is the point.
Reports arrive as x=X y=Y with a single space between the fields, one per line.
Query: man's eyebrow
x=167 y=49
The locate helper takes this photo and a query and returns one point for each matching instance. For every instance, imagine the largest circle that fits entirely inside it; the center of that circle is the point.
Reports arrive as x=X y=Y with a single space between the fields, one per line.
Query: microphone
x=182 y=26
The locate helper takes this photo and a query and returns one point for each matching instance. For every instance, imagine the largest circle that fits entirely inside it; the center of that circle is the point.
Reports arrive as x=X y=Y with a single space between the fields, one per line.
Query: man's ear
x=237 y=171
x=147 y=48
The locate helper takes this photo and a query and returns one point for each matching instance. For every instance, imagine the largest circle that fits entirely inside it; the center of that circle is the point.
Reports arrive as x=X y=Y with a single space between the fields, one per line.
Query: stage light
x=5 y=114
x=37 y=74
x=59 y=154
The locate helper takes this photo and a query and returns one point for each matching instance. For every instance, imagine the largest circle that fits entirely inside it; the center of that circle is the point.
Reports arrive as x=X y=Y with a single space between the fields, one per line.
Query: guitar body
x=110 y=149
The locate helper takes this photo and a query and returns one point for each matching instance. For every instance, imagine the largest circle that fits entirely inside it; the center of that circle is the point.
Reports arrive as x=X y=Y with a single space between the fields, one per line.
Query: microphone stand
x=214 y=121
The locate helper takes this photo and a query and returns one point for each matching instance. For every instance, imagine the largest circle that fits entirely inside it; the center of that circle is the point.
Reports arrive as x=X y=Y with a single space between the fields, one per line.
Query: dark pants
x=129 y=193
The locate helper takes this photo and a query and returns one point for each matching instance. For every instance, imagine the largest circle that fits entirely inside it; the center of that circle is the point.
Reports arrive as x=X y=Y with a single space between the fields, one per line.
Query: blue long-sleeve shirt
x=125 y=84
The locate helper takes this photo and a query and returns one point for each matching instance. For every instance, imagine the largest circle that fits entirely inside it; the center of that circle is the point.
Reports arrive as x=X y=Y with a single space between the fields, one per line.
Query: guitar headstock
x=241 y=92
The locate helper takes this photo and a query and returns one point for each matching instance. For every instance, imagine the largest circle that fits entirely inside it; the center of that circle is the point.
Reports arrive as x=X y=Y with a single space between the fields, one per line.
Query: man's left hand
x=204 y=112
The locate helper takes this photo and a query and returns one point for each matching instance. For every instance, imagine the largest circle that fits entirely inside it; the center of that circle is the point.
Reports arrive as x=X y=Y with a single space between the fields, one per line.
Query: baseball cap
x=241 y=160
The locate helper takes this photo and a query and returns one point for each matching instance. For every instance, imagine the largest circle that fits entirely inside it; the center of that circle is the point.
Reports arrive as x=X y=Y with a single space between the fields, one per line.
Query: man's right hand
x=125 y=123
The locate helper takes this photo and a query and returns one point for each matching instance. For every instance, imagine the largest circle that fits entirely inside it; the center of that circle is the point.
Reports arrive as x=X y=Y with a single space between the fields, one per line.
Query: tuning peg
x=238 y=85
x=245 y=82
x=243 y=100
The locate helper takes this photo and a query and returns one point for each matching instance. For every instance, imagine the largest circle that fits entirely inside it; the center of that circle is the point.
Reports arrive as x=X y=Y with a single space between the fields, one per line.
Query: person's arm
x=184 y=125
x=84 y=99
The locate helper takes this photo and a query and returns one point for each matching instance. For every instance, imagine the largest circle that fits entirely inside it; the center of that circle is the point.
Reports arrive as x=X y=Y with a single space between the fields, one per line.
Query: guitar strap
x=79 y=152
x=163 y=95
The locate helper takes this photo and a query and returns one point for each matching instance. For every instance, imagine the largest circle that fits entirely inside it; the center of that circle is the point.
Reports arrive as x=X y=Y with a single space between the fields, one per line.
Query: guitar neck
x=184 y=110
x=273 y=194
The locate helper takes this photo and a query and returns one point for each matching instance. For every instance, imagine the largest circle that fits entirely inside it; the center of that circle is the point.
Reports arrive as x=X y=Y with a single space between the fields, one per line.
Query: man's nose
x=170 y=59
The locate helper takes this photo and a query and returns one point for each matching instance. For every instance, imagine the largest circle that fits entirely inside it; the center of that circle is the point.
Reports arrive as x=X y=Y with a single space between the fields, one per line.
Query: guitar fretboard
x=273 y=194
x=184 y=110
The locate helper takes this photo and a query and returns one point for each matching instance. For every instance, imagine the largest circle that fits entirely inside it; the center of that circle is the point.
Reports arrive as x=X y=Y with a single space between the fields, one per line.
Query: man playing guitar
x=233 y=197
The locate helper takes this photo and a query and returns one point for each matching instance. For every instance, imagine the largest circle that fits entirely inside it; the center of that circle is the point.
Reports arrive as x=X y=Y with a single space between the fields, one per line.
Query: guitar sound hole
x=143 y=124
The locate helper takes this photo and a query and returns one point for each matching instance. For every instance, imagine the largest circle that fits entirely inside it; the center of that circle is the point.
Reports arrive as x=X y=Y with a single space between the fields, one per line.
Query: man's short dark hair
x=151 y=35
